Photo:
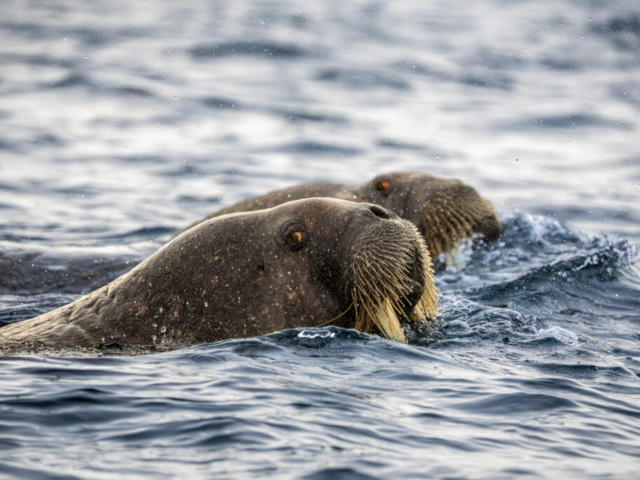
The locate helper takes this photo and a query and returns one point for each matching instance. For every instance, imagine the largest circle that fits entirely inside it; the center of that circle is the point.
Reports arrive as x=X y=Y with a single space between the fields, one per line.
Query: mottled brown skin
x=231 y=276
x=445 y=211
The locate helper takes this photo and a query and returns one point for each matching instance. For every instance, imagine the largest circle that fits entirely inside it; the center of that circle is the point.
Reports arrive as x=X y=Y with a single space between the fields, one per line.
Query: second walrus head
x=446 y=211
x=305 y=263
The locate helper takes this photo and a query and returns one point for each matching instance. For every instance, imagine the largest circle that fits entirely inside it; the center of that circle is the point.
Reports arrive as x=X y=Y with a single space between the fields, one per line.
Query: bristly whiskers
x=384 y=271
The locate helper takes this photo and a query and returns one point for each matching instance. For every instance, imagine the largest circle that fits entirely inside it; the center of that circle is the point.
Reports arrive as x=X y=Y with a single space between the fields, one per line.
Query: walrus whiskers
x=382 y=275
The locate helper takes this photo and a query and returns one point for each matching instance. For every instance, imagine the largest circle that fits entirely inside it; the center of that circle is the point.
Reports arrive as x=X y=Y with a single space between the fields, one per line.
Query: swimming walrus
x=302 y=264
x=445 y=211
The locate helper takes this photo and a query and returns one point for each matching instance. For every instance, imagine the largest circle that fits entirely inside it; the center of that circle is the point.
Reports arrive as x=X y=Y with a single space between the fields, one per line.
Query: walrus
x=445 y=211
x=305 y=263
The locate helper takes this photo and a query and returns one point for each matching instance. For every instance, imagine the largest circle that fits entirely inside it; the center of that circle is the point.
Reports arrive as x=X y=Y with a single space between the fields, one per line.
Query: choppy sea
x=123 y=122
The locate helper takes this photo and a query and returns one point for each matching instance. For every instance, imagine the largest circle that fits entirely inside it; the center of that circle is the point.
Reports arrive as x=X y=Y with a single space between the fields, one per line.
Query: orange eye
x=383 y=185
x=295 y=238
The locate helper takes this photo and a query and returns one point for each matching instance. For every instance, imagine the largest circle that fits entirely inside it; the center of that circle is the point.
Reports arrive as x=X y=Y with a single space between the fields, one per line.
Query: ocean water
x=123 y=122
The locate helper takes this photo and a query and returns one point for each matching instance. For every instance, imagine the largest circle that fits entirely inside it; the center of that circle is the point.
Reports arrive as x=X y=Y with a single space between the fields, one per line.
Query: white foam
x=316 y=334
x=560 y=334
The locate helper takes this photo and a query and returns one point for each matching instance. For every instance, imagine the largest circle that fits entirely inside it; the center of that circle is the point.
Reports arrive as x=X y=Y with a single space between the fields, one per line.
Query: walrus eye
x=294 y=235
x=383 y=186
x=295 y=238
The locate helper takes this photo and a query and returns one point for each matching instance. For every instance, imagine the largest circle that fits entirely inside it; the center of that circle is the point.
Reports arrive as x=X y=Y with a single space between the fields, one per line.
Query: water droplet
x=163 y=329
x=154 y=325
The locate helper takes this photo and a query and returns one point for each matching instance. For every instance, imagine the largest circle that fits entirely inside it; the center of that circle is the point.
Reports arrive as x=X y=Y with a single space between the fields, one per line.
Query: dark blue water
x=123 y=122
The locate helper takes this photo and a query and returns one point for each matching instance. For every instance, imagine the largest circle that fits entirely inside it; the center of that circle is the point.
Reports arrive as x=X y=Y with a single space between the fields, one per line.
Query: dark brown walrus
x=445 y=211
x=302 y=264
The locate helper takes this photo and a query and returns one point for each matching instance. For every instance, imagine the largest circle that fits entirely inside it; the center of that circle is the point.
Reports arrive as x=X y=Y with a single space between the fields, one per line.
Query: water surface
x=123 y=122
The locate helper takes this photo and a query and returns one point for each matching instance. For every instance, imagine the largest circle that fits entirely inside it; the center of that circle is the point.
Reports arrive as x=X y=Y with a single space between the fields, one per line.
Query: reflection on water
x=123 y=122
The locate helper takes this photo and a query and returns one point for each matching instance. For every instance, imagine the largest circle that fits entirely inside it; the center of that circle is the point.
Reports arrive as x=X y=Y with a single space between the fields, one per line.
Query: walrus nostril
x=381 y=212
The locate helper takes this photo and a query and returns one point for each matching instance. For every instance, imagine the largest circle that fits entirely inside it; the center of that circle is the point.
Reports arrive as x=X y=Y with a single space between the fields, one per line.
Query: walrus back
x=278 y=197
x=74 y=325
x=50 y=329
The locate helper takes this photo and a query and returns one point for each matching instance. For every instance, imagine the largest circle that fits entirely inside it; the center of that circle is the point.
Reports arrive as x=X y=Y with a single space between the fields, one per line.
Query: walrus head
x=305 y=263
x=445 y=211
x=374 y=264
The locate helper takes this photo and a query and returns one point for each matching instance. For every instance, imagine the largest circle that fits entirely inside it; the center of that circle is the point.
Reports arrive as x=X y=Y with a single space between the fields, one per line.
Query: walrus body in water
x=445 y=211
x=303 y=264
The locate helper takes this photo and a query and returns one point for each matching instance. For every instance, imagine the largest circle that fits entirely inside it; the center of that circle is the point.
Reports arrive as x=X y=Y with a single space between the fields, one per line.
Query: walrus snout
x=392 y=274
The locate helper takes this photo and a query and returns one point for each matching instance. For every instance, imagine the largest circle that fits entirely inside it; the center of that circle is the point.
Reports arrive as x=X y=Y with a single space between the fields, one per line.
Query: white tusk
x=418 y=315
x=388 y=322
